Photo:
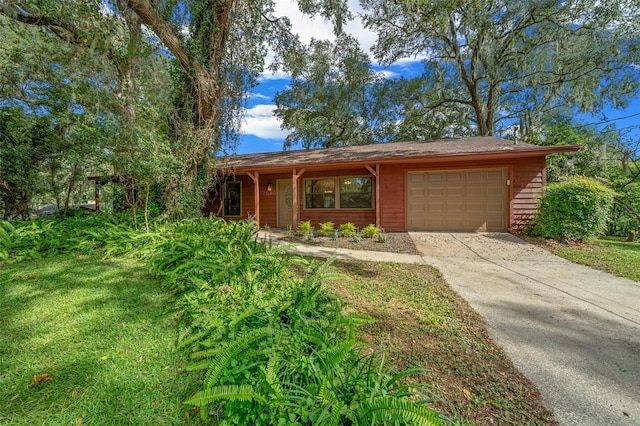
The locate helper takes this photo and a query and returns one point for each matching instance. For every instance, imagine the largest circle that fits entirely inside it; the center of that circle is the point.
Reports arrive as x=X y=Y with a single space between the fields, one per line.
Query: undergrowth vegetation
x=270 y=347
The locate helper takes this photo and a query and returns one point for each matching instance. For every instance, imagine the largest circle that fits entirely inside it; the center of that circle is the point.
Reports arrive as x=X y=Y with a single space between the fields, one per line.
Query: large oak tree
x=509 y=63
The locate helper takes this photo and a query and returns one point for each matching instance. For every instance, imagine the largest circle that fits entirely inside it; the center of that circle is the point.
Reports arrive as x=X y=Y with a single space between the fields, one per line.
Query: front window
x=320 y=193
x=339 y=193
x=356 y=193
x=232 y=199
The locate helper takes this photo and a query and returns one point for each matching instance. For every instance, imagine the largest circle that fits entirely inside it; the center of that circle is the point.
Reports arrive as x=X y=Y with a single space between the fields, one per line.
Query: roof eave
x=431 y=158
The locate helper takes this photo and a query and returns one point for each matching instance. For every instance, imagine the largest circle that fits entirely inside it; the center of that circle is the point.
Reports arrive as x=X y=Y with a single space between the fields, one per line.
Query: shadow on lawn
x=101 y=331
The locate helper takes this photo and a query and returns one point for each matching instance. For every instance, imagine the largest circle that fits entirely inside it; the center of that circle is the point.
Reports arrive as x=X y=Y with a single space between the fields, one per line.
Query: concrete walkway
x=572 y=330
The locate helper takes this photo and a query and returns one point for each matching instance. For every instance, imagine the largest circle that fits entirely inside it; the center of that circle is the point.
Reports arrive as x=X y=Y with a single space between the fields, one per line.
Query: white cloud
x=389 y=75
x=259 y=121
x=270 y=75
x=256 y=95
x=320 y=29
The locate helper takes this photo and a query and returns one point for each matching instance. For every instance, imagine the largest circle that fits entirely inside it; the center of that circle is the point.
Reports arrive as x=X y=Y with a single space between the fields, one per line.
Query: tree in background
x=512 y=62
x=107 y=91
x=56 y=106
x=331 y=100
x=219 y=49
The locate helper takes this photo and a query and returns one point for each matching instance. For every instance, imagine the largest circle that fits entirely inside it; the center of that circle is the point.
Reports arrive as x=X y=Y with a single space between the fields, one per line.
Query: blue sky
x=261 y=130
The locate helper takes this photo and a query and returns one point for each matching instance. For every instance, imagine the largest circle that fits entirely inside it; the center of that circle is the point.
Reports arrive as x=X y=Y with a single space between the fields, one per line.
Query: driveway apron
x=572 y=330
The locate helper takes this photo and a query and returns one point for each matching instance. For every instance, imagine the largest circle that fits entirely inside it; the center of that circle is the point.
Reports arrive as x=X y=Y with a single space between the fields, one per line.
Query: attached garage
x=458 y=200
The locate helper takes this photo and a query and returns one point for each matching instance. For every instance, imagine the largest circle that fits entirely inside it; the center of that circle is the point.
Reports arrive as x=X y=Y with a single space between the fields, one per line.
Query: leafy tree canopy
x=510 y=63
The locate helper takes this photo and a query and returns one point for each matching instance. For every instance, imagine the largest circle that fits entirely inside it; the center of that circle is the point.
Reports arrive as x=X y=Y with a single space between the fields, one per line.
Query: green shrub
x=6 y=239
x=382 y=236
x=576 y=209
x=326 y=229
x=347 y=229
x=370 y=231
x=304 y=228
x=621 y=221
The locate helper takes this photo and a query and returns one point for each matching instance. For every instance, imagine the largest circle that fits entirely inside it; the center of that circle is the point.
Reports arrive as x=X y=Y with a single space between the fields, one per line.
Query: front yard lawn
x=87 y=341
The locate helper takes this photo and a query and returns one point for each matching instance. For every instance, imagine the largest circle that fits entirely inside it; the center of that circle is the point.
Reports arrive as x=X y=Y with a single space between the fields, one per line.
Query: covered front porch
x=283 y=198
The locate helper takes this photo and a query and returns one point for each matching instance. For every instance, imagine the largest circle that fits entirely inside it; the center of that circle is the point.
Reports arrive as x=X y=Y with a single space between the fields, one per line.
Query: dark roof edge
x=537 y=152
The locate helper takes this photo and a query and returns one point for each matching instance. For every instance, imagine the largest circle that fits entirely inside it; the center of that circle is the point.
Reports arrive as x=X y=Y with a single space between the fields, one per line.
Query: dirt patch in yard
x=419 y=321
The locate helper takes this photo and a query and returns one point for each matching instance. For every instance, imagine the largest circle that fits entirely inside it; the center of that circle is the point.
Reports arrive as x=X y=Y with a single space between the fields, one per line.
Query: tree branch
x=162 y=28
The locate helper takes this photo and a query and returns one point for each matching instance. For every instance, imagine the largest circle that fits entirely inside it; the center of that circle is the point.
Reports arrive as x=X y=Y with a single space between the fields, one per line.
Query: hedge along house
x=467 y=184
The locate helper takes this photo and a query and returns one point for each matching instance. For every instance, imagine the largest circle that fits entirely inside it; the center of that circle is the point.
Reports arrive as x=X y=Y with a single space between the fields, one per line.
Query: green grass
x=102 y=333
x=610 y=255
x=421 y=322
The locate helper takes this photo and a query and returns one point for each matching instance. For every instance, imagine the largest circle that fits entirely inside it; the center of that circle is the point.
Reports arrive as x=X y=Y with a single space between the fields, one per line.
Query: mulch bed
x=397 y=242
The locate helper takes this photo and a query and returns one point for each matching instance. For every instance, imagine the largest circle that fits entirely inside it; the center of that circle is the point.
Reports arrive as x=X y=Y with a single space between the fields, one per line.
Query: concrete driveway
x=572 y=330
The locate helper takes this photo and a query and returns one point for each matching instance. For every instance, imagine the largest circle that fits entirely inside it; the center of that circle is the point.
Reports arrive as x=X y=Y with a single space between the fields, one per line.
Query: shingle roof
x=385 y=151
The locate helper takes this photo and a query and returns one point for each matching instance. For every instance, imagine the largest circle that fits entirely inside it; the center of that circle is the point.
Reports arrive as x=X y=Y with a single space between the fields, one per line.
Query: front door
x=284 y=192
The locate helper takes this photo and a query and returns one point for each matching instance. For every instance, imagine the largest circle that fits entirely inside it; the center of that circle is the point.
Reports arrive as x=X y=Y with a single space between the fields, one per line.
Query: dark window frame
x=229 y=205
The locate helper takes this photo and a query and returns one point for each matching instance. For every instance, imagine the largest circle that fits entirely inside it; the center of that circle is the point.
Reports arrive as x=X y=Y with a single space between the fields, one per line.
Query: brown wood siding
x=528 y=180
x=527 y=177
x=214 y=197
x=269 y=200
x=392 y=196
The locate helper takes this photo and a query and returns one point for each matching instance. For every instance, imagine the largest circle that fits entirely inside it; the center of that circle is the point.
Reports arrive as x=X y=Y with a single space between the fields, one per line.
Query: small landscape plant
x=304 y=228
x=382 y=236
x=356 y=237
x=326 y=229
x=370 y=231
x=347 y=229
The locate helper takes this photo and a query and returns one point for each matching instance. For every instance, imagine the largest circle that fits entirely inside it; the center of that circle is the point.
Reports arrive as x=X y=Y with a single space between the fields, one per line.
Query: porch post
x=294 y=184
x=376 y=174
x=97 y=195
x=255 y=177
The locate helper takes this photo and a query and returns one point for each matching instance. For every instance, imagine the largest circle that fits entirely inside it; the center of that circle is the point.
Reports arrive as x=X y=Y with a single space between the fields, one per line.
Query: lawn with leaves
x=88 y=341
x=421 y=322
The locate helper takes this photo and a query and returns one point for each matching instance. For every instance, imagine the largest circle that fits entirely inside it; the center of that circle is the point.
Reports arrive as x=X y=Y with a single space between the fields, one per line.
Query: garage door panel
x=456 y=191
x=459 y=200
x=453 y=177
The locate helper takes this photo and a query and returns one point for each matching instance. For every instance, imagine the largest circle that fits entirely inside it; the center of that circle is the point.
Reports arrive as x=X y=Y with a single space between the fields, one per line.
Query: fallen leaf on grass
x=467 y=394
x=40 y=378
x=104 y=358
x=14 y=397
x=79 y=422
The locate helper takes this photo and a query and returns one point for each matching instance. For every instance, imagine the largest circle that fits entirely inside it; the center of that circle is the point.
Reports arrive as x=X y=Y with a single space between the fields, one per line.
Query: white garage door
x=458 y=200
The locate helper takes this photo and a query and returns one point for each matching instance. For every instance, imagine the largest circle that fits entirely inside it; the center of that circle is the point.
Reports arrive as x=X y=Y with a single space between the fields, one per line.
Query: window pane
x=319 y=193
x=232 y=199
x=356 y=193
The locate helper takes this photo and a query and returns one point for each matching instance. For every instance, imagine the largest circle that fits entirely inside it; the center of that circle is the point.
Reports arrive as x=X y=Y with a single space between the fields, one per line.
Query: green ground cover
x=612 y=255
x=88 y=341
